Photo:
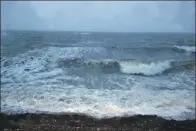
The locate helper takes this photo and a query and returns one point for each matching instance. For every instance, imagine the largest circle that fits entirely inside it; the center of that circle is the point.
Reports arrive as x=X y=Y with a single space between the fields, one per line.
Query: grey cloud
x=19 y=15
x=132 y=16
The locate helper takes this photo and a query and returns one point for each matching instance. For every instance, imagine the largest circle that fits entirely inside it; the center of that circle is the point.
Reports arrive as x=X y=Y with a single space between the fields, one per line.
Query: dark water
x=99 y=74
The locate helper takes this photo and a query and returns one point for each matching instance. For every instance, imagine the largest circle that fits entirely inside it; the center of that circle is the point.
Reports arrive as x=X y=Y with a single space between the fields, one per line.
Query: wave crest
x=185 y=48
x=144 y=68
x=128 y=66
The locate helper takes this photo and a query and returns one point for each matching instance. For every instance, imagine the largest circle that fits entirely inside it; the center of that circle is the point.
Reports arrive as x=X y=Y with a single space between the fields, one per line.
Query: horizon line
x=96 y=31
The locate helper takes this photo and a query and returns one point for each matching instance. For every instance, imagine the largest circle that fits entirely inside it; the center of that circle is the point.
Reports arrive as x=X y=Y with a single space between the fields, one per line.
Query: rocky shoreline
x=81 y=122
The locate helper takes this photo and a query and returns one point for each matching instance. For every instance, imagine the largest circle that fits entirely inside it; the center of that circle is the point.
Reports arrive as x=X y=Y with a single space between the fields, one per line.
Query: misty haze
x=104 y=16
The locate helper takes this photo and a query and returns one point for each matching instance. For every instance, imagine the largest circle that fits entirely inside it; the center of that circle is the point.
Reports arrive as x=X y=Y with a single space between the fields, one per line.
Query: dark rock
x=71 y=121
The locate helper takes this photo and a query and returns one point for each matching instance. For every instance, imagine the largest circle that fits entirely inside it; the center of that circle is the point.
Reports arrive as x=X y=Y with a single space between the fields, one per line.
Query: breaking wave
x=185 y=48
x=128 y=66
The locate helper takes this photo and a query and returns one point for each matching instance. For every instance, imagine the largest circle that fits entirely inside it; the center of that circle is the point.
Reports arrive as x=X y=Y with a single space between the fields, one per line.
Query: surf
x=184 y=48
x=128 y=66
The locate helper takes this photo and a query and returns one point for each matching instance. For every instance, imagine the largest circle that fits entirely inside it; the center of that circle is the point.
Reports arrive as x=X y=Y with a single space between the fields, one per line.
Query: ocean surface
x=99 y=74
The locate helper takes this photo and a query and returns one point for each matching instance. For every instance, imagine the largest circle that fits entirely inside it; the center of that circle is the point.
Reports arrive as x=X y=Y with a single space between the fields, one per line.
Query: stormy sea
x=98 y=74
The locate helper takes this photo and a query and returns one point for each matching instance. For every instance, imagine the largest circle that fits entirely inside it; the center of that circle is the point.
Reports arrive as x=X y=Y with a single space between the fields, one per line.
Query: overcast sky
x=117 y=16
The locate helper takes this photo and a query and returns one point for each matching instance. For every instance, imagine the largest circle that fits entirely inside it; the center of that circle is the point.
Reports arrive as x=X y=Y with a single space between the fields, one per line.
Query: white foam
x=36 y=90
x=186 y=48
x=144 y=68
x=100 y=103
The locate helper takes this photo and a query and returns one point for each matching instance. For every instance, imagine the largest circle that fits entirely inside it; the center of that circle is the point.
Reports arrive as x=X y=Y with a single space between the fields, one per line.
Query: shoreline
x=82 y=122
